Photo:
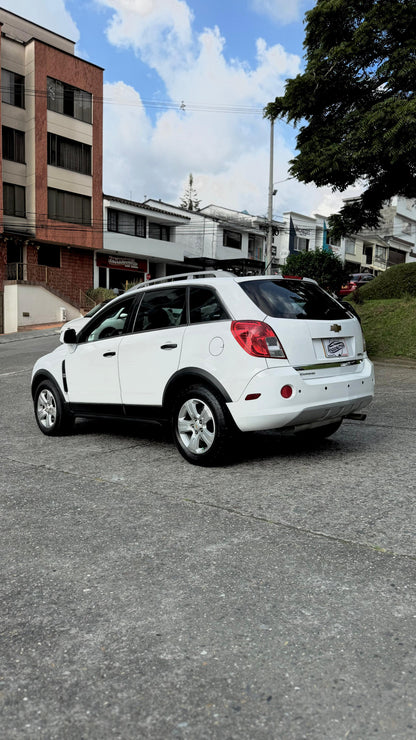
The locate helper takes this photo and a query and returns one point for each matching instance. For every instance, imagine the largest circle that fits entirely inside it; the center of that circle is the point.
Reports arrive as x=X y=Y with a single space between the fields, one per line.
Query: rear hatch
x=314 y=330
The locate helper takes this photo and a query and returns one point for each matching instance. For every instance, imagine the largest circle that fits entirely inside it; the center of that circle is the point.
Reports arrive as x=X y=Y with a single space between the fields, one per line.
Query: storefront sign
x=116 y=262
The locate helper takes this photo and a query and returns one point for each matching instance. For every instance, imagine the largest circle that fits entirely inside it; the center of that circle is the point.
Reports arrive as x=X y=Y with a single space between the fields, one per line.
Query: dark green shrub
x=396 y=282
x=324 y=267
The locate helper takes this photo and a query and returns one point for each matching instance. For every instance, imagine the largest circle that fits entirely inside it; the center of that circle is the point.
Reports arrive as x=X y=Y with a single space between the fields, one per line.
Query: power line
x=157 y=104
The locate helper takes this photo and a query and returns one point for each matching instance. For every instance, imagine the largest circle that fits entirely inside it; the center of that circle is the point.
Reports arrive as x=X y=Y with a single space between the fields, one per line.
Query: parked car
x=80 y=321
x=214 y=354
x=355 y=281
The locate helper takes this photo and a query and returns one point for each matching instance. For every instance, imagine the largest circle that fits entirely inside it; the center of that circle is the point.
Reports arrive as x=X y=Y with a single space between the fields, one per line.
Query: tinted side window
x=204 y=305
x=110 y=323
x=160 y=309
x=293 y=299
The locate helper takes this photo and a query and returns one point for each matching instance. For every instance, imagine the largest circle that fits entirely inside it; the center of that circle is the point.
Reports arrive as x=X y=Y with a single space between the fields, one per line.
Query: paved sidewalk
x=43 y=330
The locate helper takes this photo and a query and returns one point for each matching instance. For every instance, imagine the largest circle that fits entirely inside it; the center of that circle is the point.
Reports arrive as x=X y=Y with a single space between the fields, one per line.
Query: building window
x=14 y=200
x=159 y=231
x=126 y=223
x=12 y=88
x=231 y=239
x=69 y=154
x=255 y=251
x=301 y=244
x=70 y=207
x=69 y=100
x=13 y=142
x=349 y=246
x=368 y=253
x=48 y=255
x=381 y=254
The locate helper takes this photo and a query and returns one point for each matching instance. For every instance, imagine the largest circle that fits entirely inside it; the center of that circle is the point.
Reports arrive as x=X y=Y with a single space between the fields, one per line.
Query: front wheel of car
x=50 y=413
x=200 y=427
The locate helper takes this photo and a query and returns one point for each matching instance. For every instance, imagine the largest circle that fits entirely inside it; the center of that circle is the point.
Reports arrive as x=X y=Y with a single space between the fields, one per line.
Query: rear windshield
x=293 y=299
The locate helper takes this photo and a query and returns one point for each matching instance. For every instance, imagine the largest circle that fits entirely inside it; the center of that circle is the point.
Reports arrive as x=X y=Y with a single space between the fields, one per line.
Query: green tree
x=324 y=267
x=189 y=198
x=355 y=104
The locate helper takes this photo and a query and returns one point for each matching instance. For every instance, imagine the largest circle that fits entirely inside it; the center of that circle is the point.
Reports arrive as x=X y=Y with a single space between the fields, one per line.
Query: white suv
x=214 y=354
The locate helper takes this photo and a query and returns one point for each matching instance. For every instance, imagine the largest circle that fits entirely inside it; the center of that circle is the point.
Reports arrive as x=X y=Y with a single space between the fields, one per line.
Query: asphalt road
x=142 y=597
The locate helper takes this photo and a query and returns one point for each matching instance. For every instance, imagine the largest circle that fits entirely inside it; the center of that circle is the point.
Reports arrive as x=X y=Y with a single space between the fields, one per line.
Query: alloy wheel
x=196 y=426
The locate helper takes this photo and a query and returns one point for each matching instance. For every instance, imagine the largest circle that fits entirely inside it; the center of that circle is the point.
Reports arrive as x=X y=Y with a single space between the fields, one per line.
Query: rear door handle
x=168 y=346
x=108 y=354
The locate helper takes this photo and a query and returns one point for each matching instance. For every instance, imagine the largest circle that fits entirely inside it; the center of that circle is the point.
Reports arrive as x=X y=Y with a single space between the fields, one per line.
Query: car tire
x=51 y=416
x=318 y=433
x=201 y=430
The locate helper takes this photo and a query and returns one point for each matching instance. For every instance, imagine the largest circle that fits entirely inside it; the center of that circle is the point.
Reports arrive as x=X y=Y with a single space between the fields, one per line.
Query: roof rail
x=187 y=276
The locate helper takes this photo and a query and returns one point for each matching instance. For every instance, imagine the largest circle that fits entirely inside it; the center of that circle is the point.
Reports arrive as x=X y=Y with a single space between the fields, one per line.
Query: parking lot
x=142 y=597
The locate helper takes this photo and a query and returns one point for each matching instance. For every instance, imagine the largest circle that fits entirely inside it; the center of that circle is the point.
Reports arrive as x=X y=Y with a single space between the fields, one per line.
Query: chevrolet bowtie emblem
x=336 y=327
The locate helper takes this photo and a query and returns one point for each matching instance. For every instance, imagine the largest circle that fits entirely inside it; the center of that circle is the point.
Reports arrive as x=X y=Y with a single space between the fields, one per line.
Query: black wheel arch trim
x=198 y=374
x=45 y=375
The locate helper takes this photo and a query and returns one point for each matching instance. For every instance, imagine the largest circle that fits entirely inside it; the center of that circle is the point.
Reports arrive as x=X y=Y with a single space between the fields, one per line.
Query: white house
x=218 y=237
x=139 y=241
x=392 y=243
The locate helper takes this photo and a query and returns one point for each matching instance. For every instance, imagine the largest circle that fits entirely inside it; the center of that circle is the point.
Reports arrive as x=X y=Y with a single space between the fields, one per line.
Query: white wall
x=41 y=306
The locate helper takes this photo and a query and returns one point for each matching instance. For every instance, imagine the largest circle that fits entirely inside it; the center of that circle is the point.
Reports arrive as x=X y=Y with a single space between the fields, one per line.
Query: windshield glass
x=293 y=299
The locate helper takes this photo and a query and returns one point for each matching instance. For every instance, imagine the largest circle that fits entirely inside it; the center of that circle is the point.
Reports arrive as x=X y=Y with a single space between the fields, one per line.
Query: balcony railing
x=30 y=273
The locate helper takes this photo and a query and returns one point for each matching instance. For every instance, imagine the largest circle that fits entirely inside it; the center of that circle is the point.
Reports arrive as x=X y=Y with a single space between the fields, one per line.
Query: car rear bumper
x=315 y=399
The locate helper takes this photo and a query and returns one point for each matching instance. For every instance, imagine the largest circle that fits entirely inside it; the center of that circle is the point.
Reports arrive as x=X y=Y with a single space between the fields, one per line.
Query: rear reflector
x=252 y=396
x=286 y=391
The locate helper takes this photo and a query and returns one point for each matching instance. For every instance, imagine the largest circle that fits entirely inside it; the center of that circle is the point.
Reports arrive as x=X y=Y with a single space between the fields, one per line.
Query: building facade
x=51 y=169
x=221 y=238
x=141 y=241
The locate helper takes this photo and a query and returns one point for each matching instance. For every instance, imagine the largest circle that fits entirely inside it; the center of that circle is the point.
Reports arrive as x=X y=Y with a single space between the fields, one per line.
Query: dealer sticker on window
x=335 y=347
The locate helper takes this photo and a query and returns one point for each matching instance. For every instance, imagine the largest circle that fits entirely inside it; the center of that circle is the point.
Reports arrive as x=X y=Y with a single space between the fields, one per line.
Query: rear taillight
x=257 y=339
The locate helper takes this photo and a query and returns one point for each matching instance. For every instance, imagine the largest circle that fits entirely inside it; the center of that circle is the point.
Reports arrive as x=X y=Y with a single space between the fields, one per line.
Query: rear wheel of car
x=51 y=417
x=201 y=430
x=317 y=433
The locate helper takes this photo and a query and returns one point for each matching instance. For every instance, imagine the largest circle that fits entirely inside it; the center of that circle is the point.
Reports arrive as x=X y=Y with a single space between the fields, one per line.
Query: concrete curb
x=29 y=334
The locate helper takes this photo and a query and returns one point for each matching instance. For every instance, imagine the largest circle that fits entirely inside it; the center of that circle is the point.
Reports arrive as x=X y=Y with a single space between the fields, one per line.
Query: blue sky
x=225 y=59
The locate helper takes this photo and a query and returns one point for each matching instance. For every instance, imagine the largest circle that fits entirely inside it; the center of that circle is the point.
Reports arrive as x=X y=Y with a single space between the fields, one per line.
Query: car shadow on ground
x=249 y=446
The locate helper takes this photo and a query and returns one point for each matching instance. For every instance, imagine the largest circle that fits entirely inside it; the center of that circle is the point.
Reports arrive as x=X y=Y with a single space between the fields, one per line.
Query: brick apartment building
x=50 y=165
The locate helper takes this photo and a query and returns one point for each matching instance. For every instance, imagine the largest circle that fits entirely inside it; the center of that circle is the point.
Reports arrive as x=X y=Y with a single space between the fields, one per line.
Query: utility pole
x=268 y=260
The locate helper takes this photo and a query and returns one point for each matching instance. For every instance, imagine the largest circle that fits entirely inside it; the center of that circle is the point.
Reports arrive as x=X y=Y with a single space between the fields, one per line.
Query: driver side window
x=111 y=323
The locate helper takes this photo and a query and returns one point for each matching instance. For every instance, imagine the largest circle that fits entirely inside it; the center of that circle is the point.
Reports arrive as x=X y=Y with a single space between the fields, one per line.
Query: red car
x=355 y=281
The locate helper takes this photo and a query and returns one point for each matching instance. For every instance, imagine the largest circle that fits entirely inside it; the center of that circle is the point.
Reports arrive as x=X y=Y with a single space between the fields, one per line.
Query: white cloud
x=226 y=150
x=280 y=11
x=159 y=30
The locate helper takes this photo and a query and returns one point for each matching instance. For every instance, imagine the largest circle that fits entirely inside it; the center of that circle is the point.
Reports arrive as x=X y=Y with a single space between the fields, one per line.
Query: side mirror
x=70 y=336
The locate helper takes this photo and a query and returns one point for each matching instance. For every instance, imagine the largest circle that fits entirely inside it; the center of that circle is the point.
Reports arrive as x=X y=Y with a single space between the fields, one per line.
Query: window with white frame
x=301 y=244
x=349 y=245
x=381 y=253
